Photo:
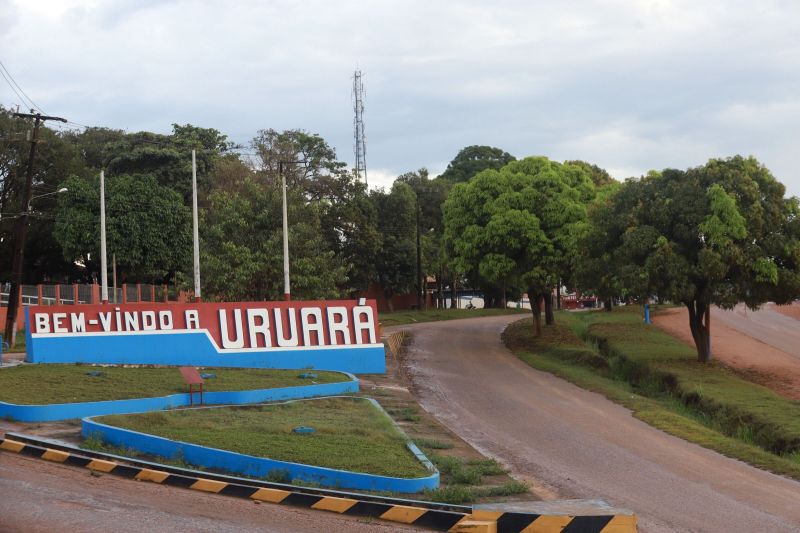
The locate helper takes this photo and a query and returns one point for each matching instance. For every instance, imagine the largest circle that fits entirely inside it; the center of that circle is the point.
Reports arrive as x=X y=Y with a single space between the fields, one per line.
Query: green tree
x=719 y=234
x=473 y=159
x=395 y=261
x=600 y=176
x=518 y=226
x=242 y=250
x=148 y=228
x=429 y=194
x=168 y=158
x=347 y=216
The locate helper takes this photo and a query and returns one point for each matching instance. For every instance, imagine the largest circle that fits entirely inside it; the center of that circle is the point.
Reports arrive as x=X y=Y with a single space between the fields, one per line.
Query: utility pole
x=21 y=229
x=419 y=263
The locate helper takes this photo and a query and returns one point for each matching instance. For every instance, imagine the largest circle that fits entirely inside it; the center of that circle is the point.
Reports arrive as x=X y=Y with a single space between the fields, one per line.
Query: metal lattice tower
x=358 y=127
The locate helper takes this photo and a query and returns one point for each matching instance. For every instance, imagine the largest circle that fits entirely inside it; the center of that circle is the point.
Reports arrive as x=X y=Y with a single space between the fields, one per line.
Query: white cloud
x=629 y=85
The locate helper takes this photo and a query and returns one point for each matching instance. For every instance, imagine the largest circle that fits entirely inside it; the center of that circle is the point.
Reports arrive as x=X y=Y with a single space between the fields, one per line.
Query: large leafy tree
x=473 y=159
x=719 y=234
x=148 y=227
x=518 y=226
x=168 y=158
x=242 y=254
x=395 y=261
x=312 y=171
x=429 y=194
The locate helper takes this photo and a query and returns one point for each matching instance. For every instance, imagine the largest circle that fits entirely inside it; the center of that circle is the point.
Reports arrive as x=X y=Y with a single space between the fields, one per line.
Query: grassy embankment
x=660 y=380
x=351 y=434
x=398 y=318
x=43 y=384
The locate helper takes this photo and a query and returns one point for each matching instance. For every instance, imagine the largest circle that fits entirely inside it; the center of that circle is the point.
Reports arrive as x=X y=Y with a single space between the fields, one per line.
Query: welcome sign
x=325 y=335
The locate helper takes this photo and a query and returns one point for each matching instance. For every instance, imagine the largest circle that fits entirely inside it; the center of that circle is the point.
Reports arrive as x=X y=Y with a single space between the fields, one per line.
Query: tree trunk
x=389 y=303
x=700 y=325
x=453 y=294
x=549 y=317
x=608 y=305
x=536 y=310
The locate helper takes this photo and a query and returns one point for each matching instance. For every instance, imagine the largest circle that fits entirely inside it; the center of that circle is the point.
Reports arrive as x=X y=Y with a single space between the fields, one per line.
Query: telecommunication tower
x=358 y=127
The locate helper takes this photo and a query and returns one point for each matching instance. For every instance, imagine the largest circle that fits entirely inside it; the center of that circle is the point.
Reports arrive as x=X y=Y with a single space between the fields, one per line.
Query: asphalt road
x=570 y=443
x=40 y=497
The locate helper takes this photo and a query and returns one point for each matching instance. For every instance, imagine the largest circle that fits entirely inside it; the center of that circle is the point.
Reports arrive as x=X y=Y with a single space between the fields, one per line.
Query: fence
x=70 y=294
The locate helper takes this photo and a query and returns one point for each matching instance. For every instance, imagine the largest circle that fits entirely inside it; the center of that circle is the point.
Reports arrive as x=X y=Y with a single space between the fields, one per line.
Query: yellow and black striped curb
x=431 y=515
x=435 y=519
x=554 y=523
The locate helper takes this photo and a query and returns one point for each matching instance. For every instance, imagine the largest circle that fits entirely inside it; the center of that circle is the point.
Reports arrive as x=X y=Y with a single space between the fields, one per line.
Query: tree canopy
x=719 y=234
x=473 y=159
x=517 y=227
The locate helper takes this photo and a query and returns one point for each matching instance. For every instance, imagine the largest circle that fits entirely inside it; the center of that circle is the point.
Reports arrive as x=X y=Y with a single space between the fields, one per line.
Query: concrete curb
x=66 y=411
x=430 y=515
x=248 y=465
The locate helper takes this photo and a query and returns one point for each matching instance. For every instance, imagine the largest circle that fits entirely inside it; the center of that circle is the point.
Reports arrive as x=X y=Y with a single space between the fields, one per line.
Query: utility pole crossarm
x=39 y=117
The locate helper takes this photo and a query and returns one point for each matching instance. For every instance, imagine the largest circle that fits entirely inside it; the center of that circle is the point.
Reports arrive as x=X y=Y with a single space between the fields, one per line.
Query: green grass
x=44 y=384
x=659 y=379
x=351 y=434
x=434 y=315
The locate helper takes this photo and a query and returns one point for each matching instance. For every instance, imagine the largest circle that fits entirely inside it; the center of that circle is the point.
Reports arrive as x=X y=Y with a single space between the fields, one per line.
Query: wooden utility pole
x=21 y=229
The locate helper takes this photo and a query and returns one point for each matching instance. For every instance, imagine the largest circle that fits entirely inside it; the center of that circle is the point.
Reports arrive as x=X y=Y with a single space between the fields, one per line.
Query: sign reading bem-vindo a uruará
x=329 y=335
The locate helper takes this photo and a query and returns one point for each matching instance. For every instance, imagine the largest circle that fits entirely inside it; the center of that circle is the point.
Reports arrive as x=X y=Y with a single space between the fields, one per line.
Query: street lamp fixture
x=59 y=191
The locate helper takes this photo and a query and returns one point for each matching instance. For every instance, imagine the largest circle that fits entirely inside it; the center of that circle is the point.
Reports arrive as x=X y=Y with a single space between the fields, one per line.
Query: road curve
x=571 y=443
x=39 y=497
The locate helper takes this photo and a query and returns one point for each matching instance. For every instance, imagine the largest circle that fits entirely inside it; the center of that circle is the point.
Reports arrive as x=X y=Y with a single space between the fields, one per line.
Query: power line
x=3 y=67
x=21 y=99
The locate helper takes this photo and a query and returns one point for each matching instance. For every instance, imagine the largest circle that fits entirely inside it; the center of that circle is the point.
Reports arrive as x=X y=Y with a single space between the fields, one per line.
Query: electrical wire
x=33 y=104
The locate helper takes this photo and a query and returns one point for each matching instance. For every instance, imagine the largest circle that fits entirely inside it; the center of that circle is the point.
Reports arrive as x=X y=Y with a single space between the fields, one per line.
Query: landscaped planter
x=64 y=411
x=249 y=465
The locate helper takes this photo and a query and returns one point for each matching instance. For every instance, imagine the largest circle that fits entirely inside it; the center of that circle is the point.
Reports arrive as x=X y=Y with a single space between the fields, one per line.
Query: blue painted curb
x=261 y=467
x=64 y=411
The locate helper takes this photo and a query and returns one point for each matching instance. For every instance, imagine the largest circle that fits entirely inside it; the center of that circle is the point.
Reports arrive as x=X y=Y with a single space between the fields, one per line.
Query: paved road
x=37 y=496
x=571 y=443
x=766 y=325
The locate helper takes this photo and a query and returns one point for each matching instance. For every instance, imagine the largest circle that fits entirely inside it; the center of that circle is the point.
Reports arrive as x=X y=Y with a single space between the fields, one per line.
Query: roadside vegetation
x=350 y=434
x=398 y=318
x=44 y=384
x=661 y=381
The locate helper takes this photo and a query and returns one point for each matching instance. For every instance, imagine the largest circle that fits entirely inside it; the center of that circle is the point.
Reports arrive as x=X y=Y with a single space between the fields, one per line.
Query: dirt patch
x=750 y=358
x=791 y=310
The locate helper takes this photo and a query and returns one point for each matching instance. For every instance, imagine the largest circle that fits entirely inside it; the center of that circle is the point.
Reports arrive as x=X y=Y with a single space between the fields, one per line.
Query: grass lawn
x=659 y=378
x=351 y=434
x=434 y=315
x=43 y=384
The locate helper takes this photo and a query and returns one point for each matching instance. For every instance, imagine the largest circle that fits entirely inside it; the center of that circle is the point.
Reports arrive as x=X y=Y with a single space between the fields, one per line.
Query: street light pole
x=195 y=231
x=103 y=256
x=287 y=293
x=21 y=231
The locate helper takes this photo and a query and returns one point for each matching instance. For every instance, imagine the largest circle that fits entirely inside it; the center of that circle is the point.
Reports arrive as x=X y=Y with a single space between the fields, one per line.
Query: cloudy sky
x=628 y=85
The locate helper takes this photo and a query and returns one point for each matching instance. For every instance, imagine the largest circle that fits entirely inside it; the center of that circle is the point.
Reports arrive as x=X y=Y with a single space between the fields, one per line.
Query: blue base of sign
x=195 y=349
x=260 y=467
x=65 y=411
